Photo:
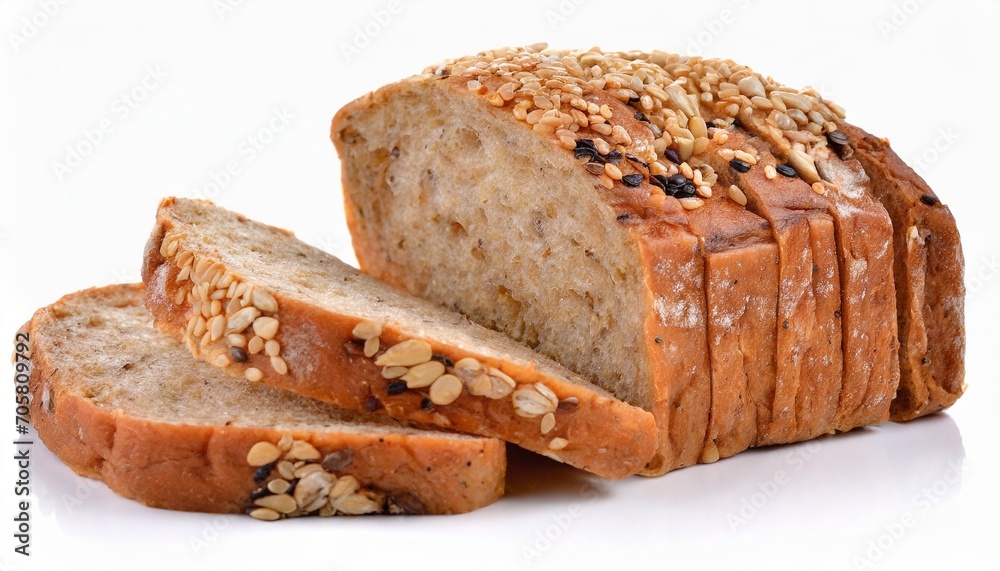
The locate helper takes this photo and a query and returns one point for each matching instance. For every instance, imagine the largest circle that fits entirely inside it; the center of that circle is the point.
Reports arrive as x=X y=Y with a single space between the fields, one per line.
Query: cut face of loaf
x=119 y=401
x=254 y=301
x=542 y=183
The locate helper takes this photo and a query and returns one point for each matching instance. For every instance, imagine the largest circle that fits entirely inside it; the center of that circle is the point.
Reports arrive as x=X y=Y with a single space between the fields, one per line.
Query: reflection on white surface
x=859 y=481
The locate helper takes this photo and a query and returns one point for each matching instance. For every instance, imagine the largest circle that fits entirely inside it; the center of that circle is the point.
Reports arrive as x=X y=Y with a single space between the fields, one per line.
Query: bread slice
x=808 y=355
x=119 y=401
x=255 y=301
x=539 y=181
x=928 y=268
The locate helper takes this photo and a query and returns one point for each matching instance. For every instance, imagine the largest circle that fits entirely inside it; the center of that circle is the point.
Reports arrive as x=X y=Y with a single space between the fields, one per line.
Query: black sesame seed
x=739 y=166
x=624 y=216
x=838 y=137
x=239 y=355
x=786 y=170
x=395 y=388
x=263 y=472
x=659 y=180
x=636 y=160
x=614 y=157
x=426 y=404
x=928 y=200
x=672 y=156
x=641 y=117
x=632 y=179
x=594 y=168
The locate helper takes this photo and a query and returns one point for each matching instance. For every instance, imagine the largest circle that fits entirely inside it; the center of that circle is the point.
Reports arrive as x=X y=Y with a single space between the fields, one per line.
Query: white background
x=180 y=89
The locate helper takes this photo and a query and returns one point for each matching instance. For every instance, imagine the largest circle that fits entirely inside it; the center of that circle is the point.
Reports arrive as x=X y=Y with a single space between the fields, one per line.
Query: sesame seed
x=769 y=172
x=558 y=443
x=548 y=422
x=691 y=203
x=620 y=135
x=263 y=300
x=613 y=172
x=745 y=157
x=253 y=374
x=265 y=327
x=739 y=165
x=279 y=365
x=222 y=360
x=371 y=347
x=272 y=348
x=786 y=170
x=255 y=345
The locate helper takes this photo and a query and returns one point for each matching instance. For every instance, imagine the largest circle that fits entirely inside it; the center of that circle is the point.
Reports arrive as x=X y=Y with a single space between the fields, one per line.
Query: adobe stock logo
x=121 y=109
x=366 y=33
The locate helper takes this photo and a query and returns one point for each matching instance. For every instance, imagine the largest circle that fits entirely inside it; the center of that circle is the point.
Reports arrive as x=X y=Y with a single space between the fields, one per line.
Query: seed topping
x=739 y=165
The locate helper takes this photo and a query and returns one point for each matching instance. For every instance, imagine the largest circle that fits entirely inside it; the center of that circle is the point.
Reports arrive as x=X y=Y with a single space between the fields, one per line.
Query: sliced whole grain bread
x=573 y=195
x=117 y=400
x=253 y=300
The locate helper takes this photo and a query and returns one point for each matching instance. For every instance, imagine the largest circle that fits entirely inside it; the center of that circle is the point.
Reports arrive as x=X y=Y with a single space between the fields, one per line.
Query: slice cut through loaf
x=253 y=300
x=119 y=401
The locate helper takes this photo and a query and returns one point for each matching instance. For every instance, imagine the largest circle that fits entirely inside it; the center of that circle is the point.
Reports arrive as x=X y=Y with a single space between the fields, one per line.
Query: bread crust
x=833 y=367
x=928 y=268
x=605 y=436
x=204 y=468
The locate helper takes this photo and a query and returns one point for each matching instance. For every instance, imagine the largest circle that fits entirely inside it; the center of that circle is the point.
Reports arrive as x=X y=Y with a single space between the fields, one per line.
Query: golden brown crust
x=928 y=269
x=204 y=468
x=602 y=435
x=833 y=366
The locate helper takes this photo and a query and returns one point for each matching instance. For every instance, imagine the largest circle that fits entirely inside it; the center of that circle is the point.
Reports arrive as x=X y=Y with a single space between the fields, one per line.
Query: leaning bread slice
x=928 y=268
x=255 y=301
x=119 y=401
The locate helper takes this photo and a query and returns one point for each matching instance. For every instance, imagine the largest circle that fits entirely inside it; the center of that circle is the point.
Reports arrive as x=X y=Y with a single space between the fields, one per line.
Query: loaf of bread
x=116 y=400
x=253 y=300
x=698 y=239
